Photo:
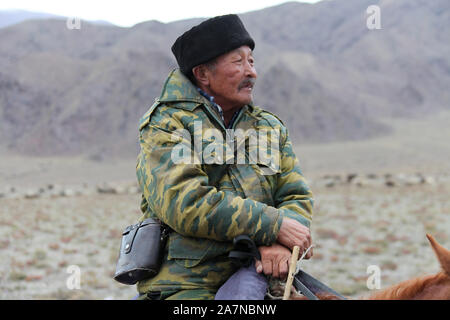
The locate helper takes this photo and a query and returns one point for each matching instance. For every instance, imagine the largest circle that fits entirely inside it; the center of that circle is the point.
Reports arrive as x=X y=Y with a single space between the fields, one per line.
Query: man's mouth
x=247 y=84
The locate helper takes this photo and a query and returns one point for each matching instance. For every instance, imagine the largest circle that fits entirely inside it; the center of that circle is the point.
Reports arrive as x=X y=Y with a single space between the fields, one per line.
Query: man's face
x=232 y=78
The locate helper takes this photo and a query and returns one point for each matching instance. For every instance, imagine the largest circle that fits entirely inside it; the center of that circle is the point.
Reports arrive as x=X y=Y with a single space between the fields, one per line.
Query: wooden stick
x=292 y=267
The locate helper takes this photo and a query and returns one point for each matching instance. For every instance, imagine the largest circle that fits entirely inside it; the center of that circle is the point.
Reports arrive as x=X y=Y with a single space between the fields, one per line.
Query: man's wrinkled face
x=232 y=78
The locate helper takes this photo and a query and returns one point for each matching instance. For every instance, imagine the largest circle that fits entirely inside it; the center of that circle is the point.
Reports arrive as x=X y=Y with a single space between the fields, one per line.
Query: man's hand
x=274 y=261
x=293 y=233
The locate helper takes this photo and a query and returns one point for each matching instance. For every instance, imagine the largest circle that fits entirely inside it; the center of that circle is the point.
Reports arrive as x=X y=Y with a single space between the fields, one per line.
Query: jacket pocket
x=189 y=252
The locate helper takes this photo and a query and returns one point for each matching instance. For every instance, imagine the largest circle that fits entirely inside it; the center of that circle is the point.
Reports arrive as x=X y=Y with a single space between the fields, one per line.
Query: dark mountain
x=326 y=75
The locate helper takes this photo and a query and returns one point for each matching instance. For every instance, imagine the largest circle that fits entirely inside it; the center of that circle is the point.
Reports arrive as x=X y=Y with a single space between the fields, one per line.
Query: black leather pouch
x=141 y=251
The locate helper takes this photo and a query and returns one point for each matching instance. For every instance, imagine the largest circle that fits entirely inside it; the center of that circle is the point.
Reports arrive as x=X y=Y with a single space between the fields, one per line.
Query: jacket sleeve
x=180 y=194
x=293 y=197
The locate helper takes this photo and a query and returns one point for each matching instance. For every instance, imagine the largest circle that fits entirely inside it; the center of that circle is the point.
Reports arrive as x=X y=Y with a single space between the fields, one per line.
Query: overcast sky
x=129 y=12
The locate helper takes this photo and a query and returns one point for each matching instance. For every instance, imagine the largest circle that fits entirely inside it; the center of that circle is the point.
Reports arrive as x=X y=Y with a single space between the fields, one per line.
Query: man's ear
x=201 y=74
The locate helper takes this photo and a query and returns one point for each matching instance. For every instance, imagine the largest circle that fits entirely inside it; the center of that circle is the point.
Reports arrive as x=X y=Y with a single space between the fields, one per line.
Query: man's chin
x=246 y=99
x=242 y=100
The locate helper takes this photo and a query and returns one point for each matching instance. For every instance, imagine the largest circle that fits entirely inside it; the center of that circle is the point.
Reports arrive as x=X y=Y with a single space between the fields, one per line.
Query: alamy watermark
x=73 y=23
x=373 y=21
x=260 y=147
x=73 y=282
x=374 y=280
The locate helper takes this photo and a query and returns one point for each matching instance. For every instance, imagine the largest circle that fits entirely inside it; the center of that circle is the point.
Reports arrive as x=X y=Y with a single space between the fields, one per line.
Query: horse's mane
x=416 y=288
x=319 y=295
x=435 y=286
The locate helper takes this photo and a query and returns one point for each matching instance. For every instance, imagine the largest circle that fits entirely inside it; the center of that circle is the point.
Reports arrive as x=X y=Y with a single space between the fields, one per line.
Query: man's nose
x=250 y=70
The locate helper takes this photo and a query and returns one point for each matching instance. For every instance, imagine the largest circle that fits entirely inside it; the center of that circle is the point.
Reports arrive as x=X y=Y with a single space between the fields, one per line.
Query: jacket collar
x=178 y=88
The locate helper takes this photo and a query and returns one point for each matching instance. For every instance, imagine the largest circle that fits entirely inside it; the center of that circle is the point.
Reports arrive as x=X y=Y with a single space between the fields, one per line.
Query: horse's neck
x=428 y=287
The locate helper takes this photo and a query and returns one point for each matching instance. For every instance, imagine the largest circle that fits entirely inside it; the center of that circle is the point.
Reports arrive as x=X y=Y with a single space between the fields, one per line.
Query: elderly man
x=211 y=197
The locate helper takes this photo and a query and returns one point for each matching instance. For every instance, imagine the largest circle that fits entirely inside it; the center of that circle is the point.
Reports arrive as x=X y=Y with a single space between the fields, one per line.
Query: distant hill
x=327 y=76
x=14 y=16
x=10 y=17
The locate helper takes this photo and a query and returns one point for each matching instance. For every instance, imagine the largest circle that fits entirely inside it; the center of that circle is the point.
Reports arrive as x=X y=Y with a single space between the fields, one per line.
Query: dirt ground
x=45 y=242
x=42 y=238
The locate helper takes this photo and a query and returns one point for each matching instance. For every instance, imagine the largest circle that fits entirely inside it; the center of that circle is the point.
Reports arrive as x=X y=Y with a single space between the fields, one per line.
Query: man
x=209 y=197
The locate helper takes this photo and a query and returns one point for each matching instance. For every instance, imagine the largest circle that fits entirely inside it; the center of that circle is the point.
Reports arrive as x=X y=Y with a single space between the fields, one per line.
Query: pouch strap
x=133 y=230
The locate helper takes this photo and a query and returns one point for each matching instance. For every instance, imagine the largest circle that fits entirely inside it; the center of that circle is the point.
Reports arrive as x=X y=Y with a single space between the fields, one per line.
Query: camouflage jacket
x=209 y=202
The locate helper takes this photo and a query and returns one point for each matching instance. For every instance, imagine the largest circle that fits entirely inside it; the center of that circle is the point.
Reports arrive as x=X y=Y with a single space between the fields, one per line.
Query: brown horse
x=430 y=287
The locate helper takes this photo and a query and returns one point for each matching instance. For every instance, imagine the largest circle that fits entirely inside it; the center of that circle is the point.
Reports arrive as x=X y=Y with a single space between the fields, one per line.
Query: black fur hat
x=208 y=40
